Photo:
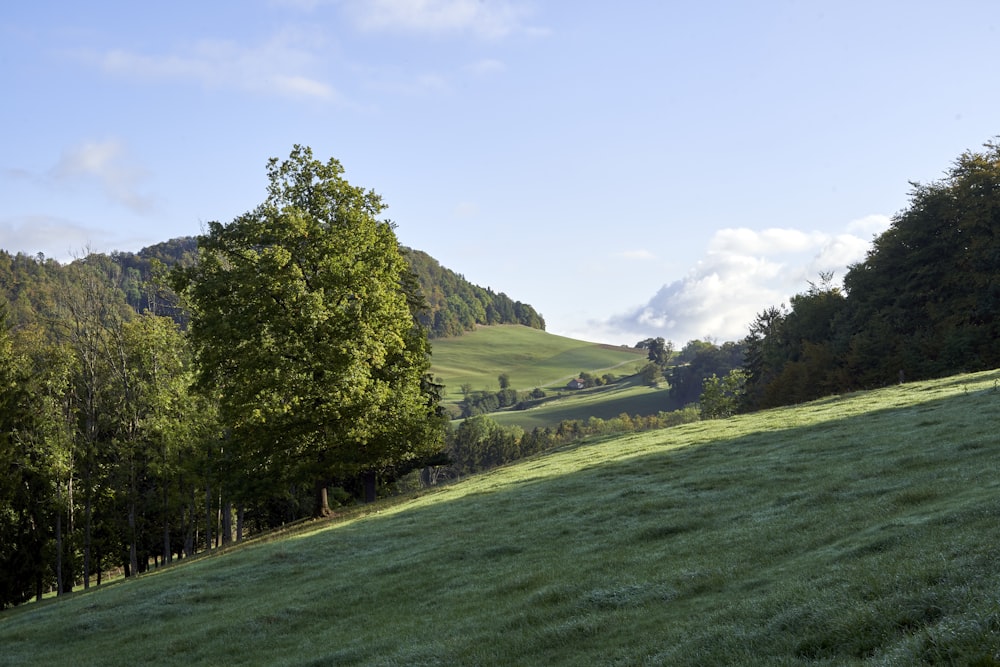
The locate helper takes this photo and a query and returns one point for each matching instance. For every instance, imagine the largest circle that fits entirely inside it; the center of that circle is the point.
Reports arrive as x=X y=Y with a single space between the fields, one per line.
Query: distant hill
x=457 y=306
x=454 y=304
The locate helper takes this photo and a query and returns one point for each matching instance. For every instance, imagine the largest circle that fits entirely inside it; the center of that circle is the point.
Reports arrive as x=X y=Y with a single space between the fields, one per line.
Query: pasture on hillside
x=628 y=395
x=852 y=530
x=530 y=357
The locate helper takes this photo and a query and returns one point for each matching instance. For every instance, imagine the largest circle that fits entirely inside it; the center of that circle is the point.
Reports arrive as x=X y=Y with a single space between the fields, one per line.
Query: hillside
x=454 y=305
x=530 y=357
x=628 y=395
x=852 y=530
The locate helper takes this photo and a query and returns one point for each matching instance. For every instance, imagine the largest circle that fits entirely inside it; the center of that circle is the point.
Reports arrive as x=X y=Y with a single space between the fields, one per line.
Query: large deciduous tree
x=302 y=326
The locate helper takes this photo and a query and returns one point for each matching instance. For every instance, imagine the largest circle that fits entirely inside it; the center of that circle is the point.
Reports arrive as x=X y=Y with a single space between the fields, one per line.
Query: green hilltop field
x=852 y=530
x=530 y=357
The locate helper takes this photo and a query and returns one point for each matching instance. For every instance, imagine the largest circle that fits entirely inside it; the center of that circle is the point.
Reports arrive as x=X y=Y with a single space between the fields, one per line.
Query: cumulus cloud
x=285 y=66
x=484 y=18
x=870 y=225
x=108 y=164
x=742 y=272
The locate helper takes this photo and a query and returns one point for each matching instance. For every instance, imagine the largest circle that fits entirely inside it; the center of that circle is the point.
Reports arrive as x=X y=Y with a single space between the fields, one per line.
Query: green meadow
x=629 y=395
x=854 y=530
x=530 y=357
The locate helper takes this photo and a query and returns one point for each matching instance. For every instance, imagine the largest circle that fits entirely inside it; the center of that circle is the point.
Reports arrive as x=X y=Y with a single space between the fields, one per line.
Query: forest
x=455 y=305
x=452 y=305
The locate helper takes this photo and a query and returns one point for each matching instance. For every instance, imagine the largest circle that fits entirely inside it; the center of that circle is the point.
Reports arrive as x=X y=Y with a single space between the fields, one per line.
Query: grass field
x=629 y=396
x=530 y=357
x=859 y=530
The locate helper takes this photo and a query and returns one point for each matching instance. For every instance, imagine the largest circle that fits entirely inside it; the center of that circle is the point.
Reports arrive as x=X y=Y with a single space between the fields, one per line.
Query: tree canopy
x=302 y=328
x=925 y=302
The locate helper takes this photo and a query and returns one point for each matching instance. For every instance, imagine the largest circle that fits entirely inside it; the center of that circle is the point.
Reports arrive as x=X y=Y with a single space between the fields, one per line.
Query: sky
x=631 y=169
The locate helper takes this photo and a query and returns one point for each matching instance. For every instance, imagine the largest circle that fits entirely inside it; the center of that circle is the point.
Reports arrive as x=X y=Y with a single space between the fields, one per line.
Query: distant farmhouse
x=575 y=383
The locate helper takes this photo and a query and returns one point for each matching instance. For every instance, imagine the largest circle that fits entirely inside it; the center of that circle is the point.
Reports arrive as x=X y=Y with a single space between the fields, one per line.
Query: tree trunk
x=322 y=500
x=208 y=518
x=189 y=525
x=369 y=479
x=167 y=551
x=239 y=522
x=227 y=523
x=88 y=513
x=59 y=541
x=68 y=581
x=133 y=557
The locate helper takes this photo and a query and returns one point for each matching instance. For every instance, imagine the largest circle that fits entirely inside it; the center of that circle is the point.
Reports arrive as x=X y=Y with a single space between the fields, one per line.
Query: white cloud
x=870 y=225
x=107 y=163
x=393 y=83
x=58 y=238
x=742 y=272
x=765 y=242
x=485 y=18
x=284 y=65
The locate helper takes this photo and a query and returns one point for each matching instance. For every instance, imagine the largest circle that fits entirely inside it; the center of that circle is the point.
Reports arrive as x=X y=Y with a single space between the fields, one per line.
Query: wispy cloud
x=301 y=5
x=109 y=164
x=742 y=272
x=397 y=83
x=58 y=238
x=486 y=67
x=285 y=65
x=636 y=254
x=491 y=19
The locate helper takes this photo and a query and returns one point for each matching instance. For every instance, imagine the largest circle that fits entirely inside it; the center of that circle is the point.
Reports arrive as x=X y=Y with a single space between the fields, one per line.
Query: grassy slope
x=531 y=357
x=629 y=396
x=855 y=530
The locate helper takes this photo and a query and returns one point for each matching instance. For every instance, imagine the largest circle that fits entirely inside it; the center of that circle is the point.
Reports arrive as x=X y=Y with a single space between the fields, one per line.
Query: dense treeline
x=455 y=305
x=134 y=431
x=101 y=437
x=144 y=276
x=697 y=361
x=924 y=303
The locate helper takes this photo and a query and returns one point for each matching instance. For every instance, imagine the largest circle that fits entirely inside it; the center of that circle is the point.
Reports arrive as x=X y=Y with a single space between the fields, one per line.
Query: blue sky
x=630 y=169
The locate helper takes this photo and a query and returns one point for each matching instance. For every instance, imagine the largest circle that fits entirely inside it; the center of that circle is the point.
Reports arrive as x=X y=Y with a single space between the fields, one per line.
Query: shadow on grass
x=865 y=538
